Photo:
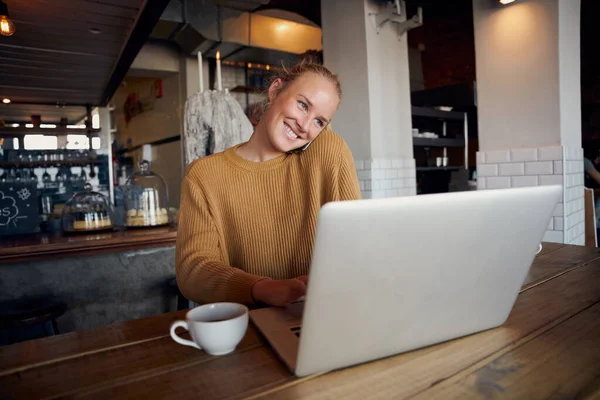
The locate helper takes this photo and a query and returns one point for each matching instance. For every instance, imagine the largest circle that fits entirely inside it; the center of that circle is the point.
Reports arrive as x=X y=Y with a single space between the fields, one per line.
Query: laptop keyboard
x=296 y=330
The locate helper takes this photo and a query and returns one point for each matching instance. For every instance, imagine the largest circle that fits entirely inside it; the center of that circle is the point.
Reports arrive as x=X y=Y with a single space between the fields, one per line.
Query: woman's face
x=299 y=113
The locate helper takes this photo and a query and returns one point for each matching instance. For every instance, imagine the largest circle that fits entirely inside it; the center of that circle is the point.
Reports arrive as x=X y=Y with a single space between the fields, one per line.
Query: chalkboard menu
x=18 y=208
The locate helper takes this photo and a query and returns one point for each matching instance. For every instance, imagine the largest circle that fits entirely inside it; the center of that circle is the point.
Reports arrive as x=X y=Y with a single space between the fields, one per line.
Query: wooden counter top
x=21 y=248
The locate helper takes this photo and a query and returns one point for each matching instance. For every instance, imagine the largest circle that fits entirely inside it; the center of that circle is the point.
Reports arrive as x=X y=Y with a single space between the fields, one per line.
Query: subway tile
x=358 y=164
x=391 y=173
x=559 y=210
x=410 y=173
x=397 y=163
x=573 y=167
x=580 y=241
x=412 y=191
x=569 y=180
x=366 y=194
x=539 y=168
x=487 y=170
x=481 y=183
x=524 y=181
x=366 y=184
x=550 y=226
x=480 y=157
x=546 y=180
x=550 y=153
x=397 y=183
x=385 y=164
x=364 y=174
x=392 y=193
x=558 y=223
x=497 y=156
x=553 y=236
x=498 y=182
x=378 y=174
x=409 y=163
x=386 y=184
x=523 y=155
x=378 y=194
x=558 y=167
x=570 y=235
x=408 y=182
x=511 y=169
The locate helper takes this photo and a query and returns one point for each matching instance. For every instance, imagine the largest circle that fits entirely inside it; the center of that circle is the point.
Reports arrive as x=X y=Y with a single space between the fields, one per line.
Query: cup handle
x=539 y=249
x=179 y=340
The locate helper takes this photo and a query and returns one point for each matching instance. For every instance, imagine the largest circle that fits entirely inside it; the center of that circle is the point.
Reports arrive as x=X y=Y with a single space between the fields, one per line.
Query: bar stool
x=28 y=319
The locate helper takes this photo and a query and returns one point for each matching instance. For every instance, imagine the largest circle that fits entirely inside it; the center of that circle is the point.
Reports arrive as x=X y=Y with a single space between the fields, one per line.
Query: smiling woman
x=248 y=215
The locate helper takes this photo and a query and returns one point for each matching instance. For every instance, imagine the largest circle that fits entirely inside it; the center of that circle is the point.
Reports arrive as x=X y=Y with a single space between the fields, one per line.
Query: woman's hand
x=279 y=292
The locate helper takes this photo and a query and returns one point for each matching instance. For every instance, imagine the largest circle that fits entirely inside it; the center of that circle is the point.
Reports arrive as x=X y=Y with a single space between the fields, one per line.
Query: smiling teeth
x=289 y=131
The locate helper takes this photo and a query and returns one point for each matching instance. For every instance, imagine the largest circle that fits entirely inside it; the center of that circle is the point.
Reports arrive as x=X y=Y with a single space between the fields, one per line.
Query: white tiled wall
x=386 y=177
x=560 y=165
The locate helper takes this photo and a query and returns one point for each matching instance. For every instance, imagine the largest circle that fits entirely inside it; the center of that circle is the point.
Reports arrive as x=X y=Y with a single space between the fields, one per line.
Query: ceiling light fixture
x=6 y=100
x=7 y=28
x=505 y=2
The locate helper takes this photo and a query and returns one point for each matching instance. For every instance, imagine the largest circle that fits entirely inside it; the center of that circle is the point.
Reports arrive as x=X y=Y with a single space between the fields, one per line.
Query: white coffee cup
x=216 y=328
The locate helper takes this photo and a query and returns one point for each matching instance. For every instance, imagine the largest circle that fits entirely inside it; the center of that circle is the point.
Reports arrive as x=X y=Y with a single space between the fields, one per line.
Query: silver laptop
x=397 y=274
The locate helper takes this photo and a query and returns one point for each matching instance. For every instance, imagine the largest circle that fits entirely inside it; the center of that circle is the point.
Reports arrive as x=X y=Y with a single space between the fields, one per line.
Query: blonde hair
x=288 y=75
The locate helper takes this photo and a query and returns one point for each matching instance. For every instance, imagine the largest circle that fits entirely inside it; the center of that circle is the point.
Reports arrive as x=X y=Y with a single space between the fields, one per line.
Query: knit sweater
x=241 y=221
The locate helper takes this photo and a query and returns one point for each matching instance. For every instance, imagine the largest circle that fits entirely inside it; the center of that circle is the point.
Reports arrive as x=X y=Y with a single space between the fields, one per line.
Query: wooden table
x=548 y=348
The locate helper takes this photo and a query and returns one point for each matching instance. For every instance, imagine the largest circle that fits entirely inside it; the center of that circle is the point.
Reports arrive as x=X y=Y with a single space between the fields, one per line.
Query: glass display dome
x=146 y=198
x=87 y=211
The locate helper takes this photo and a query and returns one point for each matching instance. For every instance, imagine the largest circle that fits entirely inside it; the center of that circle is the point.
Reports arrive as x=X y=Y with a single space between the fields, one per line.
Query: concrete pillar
x=529 y=105
x=375 y=114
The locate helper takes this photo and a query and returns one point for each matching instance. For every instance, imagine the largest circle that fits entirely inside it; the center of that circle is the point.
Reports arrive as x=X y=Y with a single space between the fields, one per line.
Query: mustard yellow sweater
x=241 y=221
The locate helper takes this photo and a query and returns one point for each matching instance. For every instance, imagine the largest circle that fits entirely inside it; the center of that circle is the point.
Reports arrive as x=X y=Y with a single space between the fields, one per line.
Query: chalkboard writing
x=18 y=208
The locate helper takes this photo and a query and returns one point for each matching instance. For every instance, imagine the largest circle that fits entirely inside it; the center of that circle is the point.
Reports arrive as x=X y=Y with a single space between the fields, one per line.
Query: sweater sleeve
x=202 y=276
x=347 y=179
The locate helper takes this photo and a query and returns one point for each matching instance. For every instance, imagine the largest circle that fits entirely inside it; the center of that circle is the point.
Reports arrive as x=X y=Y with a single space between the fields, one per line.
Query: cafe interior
x=102 y=112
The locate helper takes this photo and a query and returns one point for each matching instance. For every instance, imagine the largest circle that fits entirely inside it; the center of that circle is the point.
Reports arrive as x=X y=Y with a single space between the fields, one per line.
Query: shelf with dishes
x=49 y=164
x=440 y=147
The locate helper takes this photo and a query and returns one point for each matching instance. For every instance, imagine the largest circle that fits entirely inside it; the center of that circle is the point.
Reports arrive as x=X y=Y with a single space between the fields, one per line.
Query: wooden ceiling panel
x=45 y=58
x=52 y=73
x=66 y=18
x=55 y=56
x=61 y=83
x=74 y=8
x=81 y=31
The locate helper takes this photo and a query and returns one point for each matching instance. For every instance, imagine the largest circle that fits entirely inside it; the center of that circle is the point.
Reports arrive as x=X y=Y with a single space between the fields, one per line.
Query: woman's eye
x=319 y=123
x=302 y=105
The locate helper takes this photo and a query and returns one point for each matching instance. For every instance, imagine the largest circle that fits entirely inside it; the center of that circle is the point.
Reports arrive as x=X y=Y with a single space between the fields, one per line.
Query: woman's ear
x=274 y=89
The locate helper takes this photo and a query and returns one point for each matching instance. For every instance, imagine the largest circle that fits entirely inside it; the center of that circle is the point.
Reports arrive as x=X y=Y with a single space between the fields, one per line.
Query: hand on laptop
x=279 y=292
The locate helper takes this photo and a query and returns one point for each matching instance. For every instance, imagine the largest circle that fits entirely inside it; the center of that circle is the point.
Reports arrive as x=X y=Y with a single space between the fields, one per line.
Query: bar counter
x=101 y=278
x=42 y=246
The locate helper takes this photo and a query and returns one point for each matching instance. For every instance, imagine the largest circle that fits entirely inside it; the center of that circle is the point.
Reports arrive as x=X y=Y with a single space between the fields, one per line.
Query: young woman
x=248 y=215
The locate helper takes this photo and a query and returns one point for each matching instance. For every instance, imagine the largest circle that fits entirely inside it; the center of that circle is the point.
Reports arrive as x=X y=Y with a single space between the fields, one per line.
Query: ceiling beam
x=148 y=18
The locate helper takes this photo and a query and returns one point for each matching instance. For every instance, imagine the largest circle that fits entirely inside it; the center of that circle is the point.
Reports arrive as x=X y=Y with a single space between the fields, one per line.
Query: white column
x=529 y=105
x=375 y=115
